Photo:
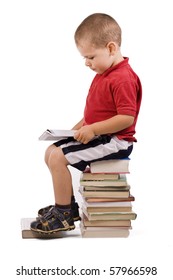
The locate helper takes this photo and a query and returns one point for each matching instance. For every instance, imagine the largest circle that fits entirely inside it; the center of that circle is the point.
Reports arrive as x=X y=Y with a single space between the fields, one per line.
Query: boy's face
x=98 y=59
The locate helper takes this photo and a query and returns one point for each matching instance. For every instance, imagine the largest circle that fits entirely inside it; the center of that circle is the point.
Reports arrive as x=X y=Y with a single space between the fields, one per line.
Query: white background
x=43 y=84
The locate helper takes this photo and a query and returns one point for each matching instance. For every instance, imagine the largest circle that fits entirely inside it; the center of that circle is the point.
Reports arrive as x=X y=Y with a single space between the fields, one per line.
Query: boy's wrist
x=94 y=129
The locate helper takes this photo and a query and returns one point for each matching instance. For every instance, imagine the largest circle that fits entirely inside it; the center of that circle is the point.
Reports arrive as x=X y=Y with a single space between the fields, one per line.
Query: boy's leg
x=60 y=216
x=74 y=204
x=61 y=177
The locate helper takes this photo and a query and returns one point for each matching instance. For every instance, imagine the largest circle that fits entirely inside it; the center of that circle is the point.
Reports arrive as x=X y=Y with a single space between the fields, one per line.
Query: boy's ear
x=112 y=47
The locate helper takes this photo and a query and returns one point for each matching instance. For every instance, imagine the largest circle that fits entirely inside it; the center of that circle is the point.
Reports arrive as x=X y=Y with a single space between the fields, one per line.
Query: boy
x=107 y=128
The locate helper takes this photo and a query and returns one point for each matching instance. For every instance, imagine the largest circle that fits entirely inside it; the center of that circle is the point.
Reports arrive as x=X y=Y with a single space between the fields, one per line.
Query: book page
x=56 y=134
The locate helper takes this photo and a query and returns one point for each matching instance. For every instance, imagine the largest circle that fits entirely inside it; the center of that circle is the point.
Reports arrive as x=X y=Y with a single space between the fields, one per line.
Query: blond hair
x=99 y=29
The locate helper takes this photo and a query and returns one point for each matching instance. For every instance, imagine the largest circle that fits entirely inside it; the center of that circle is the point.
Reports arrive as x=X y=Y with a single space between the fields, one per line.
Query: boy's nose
x=87 y=62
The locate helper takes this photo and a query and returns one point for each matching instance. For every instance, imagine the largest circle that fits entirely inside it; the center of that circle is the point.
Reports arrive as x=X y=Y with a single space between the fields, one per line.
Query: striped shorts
x=103 y=147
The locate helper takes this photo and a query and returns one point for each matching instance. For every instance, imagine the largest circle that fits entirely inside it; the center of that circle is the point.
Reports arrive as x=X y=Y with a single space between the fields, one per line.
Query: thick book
x=107 y=204
x=122 y=181
x=107 y=207
x=56 y=134
x=105 y=223
x=106 y=188
x=110 y=215
x=104 y=232
x=104 y=193
x=87 y=175
x=110 y=166
x=106 y=210
x=109 y=199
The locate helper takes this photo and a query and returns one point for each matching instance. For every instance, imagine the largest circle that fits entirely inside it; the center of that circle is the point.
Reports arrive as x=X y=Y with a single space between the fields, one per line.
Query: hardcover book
x=105 y=223
x=103 y=232
x=109 y=215
x=110 y=166
x=105 y=193
x=122 y=181
x=107 y=188
x=107 y=207
x=110 y=199
x=87 y=175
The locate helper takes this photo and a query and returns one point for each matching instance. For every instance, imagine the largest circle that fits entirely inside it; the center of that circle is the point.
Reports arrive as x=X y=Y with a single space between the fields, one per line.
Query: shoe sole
x=77 y=219
x=74 y=219
x=52 y=231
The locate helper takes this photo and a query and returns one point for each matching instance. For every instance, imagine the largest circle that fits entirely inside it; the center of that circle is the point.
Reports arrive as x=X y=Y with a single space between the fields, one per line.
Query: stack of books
x=106 y=200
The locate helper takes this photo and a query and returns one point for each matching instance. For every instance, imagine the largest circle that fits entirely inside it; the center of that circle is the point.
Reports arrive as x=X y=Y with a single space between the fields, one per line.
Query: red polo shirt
x=117 y=91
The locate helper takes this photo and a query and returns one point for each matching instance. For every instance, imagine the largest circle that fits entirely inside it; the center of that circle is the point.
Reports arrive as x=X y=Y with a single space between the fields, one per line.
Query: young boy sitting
x=106 y=130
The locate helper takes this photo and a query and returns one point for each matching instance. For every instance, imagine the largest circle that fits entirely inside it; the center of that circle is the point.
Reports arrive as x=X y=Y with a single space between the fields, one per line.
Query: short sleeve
x=125 y=98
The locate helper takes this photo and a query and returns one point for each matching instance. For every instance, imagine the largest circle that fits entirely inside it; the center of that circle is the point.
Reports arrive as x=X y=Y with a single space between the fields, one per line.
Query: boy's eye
x=89 y=57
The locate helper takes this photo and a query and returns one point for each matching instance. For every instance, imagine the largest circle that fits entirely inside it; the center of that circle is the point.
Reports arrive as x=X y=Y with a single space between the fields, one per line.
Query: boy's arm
x=112 y=125
x=78 y=125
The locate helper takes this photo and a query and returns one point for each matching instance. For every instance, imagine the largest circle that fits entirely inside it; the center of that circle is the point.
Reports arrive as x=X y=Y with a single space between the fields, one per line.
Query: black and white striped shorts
x=102 y=147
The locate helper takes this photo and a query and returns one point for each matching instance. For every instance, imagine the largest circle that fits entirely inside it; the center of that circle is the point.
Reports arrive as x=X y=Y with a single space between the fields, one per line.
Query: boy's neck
x=118 y=58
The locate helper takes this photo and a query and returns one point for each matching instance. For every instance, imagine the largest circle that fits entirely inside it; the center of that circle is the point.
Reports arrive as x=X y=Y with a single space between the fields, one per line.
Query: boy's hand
x=84 y=134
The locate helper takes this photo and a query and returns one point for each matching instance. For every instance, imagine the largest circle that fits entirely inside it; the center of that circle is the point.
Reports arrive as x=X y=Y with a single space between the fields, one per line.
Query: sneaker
x=74 y=209
x=53 y=221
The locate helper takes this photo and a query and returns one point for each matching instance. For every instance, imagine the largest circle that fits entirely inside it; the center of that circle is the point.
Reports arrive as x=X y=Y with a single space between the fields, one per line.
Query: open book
x=56 y=134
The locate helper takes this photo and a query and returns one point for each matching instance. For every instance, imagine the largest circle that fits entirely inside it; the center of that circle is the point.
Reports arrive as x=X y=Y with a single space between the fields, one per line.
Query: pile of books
x=106 y=200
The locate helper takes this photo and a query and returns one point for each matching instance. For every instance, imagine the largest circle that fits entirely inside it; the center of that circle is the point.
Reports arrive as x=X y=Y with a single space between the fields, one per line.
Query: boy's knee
x=48 y=152
x=56 y=158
